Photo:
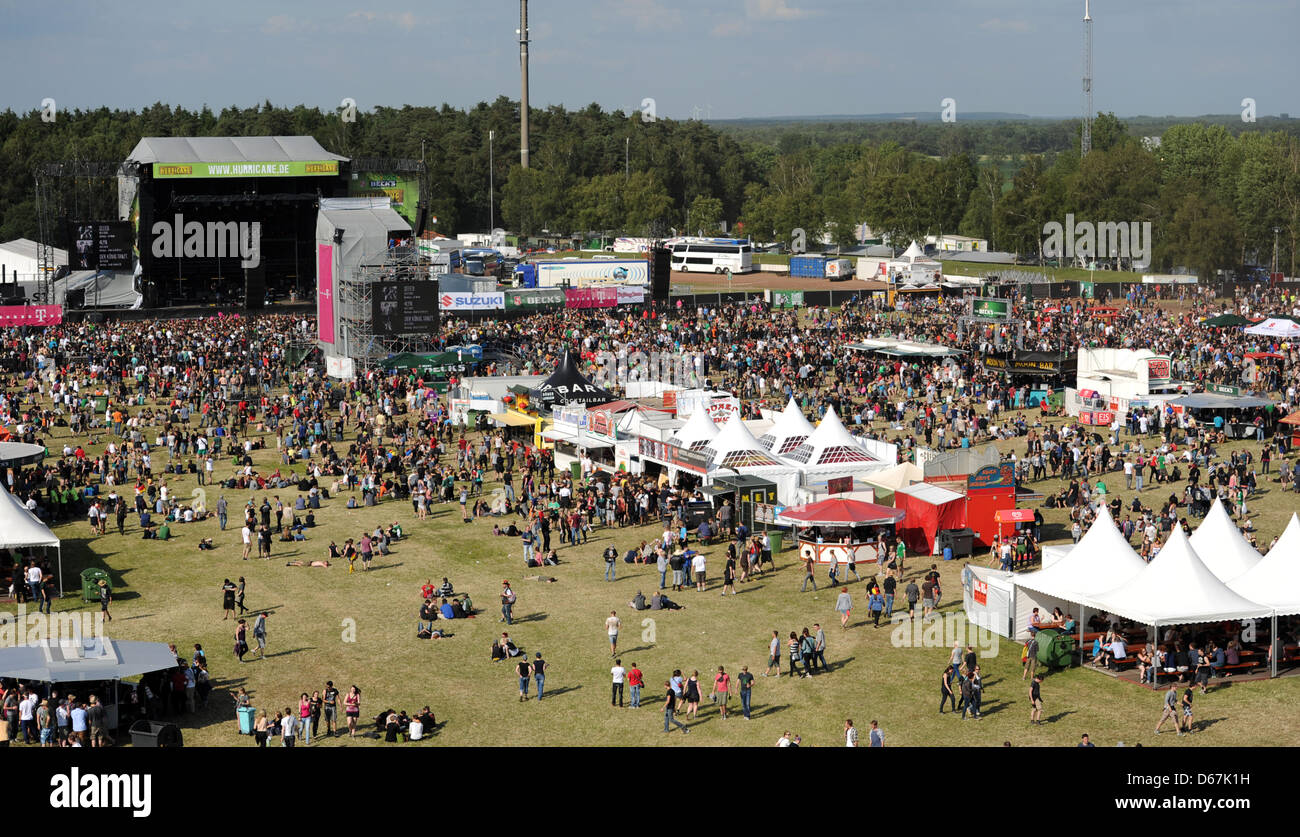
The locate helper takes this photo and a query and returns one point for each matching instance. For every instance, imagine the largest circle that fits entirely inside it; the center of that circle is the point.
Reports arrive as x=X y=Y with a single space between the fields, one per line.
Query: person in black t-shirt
x=331 y=701
x=1187 y=709
x=524 y=671
x=1036 y=700
x=670 y=706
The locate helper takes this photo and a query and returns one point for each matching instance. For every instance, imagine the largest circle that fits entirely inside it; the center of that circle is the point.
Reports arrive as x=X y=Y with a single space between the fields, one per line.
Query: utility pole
x=1086 y=145
x=627 y=152
x=523 y=72
x=491 y=188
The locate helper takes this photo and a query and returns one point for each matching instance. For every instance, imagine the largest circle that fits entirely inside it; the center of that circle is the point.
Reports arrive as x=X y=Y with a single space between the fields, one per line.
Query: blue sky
x=738 y=57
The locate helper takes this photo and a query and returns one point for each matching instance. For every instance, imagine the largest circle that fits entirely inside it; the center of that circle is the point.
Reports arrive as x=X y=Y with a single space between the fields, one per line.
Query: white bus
x=712 y=255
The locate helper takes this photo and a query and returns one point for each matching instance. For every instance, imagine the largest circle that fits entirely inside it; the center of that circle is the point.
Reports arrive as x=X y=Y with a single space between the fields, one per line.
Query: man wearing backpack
x=611 y=556
x=1029 y=657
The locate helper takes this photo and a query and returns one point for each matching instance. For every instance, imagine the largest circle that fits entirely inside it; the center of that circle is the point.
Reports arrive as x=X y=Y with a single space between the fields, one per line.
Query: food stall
x=839 y=530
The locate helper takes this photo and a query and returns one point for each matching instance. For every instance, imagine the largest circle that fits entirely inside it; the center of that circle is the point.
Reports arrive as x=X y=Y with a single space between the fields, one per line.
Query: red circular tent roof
x=841 y=512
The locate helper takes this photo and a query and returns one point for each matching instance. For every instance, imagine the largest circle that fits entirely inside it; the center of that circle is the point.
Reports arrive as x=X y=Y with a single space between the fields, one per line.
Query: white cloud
x=405 y=20
x=773 y=10
x=648 y=14
x=995 y=24
x=278 y=25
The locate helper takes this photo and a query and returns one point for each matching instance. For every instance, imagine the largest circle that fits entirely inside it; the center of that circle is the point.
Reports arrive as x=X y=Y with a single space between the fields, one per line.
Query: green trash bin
x=90 y=583
x=1055 y=649
x=777 y=540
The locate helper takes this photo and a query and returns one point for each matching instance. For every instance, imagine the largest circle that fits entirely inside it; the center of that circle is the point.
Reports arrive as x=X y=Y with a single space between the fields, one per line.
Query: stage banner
x=30 y=315
x=590 y=297
x=534 y=299
x=628 y=295
x=325 y=292
x=299 y=168
x=472 y=302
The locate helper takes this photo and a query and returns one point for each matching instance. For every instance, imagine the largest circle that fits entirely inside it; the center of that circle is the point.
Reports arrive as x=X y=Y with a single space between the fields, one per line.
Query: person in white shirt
x=619 y=674
x=784 y=740
x=697 y=564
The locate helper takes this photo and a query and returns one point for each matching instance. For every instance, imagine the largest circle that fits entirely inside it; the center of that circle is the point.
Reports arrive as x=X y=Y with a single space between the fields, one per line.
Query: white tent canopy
x=788 y=431
x=697 y=432
x=735 y=447
x=1275 y=578
x=1275 y=327
x=1176 y=588
x=1102 y=560
x=1219 y=543
x=20 y=529
x=830 y=444
x=899 y=476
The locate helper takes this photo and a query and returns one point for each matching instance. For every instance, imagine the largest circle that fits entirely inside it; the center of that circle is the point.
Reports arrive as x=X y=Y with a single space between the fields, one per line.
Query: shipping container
x=811 y=267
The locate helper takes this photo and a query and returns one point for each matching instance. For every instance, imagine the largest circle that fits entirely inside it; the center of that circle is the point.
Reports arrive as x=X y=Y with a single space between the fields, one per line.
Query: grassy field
x=328 y=625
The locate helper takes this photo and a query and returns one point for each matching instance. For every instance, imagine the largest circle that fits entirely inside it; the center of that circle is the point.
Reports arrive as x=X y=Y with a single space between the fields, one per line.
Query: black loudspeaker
x=254 y=288
x=12 y=292
x=660 y=273
x=75 y=299
x=95 y=317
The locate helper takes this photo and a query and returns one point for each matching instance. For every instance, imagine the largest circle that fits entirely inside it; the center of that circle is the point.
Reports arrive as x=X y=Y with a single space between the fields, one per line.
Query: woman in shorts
x=352 y=708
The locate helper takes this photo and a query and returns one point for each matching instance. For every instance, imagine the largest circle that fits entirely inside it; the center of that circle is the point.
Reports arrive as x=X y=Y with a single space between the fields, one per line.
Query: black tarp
x=568 y=386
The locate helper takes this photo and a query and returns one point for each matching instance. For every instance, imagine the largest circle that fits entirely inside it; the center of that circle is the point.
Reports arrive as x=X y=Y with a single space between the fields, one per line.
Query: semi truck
x=576 y=273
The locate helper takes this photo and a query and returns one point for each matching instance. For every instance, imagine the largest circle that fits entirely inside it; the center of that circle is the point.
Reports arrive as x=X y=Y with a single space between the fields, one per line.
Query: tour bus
x=712 y=255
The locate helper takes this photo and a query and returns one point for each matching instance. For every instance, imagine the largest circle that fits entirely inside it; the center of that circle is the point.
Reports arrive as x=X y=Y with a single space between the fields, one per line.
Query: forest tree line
x=1214 y=193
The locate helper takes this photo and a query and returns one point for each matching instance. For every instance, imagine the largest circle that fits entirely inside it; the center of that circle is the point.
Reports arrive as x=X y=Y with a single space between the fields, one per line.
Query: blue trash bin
x=245 y=715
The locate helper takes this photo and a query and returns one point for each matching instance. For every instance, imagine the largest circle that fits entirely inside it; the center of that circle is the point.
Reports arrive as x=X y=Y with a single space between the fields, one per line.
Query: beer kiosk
x=839 y=530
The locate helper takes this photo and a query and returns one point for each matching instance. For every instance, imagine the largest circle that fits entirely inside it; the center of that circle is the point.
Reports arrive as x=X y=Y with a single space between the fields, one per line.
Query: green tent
x=1226 y=321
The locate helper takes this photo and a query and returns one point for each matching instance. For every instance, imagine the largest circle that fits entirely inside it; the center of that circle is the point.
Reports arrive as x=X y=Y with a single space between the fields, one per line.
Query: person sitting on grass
x=206 y=544
x=299 y=563
x=661 y=602
x=447 y=611
x=503 y=648
x=463 y=606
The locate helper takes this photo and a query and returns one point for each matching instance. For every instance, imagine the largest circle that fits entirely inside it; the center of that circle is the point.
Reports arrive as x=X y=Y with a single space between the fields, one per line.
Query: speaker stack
x=660 y=273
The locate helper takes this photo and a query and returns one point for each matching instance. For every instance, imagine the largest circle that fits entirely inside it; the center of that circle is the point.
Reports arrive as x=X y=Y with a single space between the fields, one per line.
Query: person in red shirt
x=635 y=680
x=427 y=590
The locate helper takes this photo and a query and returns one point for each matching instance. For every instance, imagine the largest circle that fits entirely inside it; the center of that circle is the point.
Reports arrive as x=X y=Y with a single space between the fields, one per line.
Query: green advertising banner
x=535 y=299
x=402 y=190
x=990 y=308
x=1223 y=389
x=787 y=299
x=299 y=168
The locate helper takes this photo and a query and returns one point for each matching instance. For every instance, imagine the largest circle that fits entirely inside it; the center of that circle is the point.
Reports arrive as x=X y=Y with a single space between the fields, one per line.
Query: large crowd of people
x=127 y=409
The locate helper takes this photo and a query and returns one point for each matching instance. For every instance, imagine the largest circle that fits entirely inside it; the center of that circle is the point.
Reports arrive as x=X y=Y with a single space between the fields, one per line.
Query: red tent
x=838 y=511
x=930 y=509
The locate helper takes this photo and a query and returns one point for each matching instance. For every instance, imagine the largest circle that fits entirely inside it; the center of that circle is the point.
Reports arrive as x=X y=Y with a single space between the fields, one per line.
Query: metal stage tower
x=365 y=344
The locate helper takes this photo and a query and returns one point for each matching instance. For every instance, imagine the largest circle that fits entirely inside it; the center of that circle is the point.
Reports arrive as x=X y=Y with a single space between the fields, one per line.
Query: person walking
x=819 y=645
x=618 y=675
x=241 y=639
x=288 y=727
x=796 y=656
x=1036 y=700
x=692 y=692
x=539 y=674
x=612 y=626
x=611 y=560
x=635 y=680
x=331 y=705
x=1171 y=710
x=259 y=634
x=304 y=719
x=808 y=650
x=850 y=733
x=227 y=599
x=876 y=736
x=524 y=670
x=352 y=709
x=876 y=604
x=722 y=691
x=239 y=596
x=976 y=681
x=945 y=690
x=808 y=575
x=507 y=603
x=773 y=656
x=105 y=599
x=745 y=683
x=844 y=604
x=670 y=707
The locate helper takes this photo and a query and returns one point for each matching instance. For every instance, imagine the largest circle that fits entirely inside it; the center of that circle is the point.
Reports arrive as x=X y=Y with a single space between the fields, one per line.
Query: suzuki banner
x=472 y=301
x=30 y=315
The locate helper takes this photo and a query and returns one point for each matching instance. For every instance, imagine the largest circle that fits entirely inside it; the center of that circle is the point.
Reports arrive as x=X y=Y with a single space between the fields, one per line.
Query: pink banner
x=30 y=315
x=590 y=297
x=325 y=292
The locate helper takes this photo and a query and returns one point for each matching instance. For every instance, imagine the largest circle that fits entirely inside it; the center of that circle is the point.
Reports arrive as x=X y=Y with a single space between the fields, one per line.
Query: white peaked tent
x=1219 y=543
x=1275 y=578
x=1100 y=561
x=1274 y=327
x=1176 y=588
x=912 y=253
x=20 y=529
x=831 y=444
x=788 y=431
x=697 y=432
x=736 y=448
